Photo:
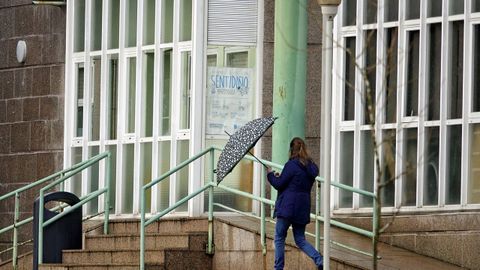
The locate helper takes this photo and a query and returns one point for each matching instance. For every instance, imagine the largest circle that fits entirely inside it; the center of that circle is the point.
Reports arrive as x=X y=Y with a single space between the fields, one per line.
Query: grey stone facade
x=31 y=102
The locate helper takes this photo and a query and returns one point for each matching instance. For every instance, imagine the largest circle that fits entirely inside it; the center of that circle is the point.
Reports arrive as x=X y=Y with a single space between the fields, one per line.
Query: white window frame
x=420 y=122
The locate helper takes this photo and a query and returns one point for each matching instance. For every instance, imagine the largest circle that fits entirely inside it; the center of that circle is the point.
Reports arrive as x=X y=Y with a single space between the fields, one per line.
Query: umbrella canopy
x=240 y=143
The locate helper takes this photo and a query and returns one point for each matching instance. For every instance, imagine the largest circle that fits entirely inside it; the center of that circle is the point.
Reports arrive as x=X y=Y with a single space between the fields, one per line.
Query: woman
x=292 y=207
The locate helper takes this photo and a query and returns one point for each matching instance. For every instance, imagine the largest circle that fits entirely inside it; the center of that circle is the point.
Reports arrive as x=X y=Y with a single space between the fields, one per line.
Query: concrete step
x=112 y=256
x=168 y=225
x=155 y=241
x=129 y=241
x=98 y=267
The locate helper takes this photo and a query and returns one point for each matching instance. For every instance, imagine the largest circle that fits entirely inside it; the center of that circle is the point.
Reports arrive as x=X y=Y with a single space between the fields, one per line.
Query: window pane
x=454 y=161
x=371 y=11
x=413 y=9
x=163 y=166
x=96 y=39
x=435 y=56
x=95 y=99
x=367 y=168
x=474 y=169
x=79 y=100
x=166 y=94
x=113 y=174
x=391 y=70
x=349 y=88
x=79 y=26
x=185 y=91
x=131 y=23
x=346 y=172
x=146 y=172
x=476 y=69
x=113 y=20
x=434 y=8
x=127 y=183
x=391 y=10
x=76 y=180
x=238 y=60
x=148 y=22
x=93 y=173
x=456 y=7
x=147 y=96
x=430 y=187
x=167 y=21
x=410 y=168
x=112 y=107
x=456 y=71
x=350 y=12
x=369 y=98
x=185 y=20
x=389 y=146
x=413 y=57
x=476 y=5
x=182 y=175
x=131 y=81
x=211 y=60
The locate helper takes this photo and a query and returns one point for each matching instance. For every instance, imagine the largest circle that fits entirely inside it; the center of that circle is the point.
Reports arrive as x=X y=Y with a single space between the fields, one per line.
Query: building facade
x=31 y=103
x=415 y=63
x=155 y=82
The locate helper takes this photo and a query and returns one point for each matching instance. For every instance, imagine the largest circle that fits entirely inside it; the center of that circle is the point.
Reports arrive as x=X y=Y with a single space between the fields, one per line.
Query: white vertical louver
x=232 y=21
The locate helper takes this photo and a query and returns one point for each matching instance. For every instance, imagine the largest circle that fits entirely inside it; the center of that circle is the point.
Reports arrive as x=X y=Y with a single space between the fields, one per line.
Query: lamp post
x=329 y=10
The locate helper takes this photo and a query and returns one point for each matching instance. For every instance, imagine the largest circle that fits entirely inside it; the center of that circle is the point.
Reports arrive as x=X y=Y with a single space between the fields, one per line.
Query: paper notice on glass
x=229 y=99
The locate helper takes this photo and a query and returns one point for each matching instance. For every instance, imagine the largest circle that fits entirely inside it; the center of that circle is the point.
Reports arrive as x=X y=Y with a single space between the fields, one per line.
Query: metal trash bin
x=65 y=233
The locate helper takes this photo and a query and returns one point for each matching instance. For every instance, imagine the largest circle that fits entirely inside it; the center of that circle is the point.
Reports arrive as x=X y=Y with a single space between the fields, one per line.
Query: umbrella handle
x=258 y=159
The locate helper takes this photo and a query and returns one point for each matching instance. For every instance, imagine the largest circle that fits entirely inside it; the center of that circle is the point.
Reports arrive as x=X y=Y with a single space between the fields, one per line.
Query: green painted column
x=289 y=86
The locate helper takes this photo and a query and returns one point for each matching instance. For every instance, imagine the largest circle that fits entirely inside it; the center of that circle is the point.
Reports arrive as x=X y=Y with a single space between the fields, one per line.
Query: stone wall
x=450 y=237
x=31 y=102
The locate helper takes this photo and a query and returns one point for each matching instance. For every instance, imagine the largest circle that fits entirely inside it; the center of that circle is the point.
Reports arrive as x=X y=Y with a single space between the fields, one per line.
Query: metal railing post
x=210 y=203
x=374 y=224
x=40 y=227
x=317 y=213
x=15 y=231
x=107 y=194
x=142 y=229
x=62 y=185
x=262 y=213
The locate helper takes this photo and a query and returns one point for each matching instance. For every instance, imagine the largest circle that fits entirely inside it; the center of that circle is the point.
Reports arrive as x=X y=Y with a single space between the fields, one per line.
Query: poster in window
x=229 y=99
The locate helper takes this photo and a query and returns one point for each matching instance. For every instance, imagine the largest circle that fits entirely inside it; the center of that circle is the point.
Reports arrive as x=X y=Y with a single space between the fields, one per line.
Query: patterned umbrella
x=240 y=143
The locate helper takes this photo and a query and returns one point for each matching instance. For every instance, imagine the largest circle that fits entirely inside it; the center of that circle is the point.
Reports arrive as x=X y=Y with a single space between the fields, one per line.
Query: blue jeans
x=281 y=230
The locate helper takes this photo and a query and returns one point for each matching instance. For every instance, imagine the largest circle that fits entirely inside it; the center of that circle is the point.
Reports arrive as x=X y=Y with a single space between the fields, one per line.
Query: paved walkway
x=392 y=257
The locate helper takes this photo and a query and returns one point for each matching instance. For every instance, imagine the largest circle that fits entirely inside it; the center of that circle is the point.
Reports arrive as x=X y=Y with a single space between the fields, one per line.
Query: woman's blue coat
x=294 y=185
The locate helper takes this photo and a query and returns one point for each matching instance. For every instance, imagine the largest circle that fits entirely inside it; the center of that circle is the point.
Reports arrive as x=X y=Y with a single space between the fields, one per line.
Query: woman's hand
x=269 y=170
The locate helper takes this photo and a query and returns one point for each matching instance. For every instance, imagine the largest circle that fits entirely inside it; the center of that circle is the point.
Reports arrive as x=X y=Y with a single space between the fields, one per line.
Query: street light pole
x=329 y=11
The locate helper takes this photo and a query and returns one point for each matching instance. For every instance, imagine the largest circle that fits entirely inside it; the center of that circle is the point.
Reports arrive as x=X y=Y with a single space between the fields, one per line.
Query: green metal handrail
x=86 y=199
x=211 y=185
x=17 y=223
x=307 y=233
x=144 y=222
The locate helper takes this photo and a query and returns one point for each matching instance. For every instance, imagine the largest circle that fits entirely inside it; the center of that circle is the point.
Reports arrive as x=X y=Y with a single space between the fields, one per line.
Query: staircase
x=179 y=243
x=168 y=243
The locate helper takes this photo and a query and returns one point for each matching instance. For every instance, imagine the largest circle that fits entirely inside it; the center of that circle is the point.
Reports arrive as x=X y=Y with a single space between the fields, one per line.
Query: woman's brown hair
x=298 y=149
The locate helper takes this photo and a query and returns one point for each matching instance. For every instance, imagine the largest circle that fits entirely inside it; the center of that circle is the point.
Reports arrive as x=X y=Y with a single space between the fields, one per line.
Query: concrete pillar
x=289 y=86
